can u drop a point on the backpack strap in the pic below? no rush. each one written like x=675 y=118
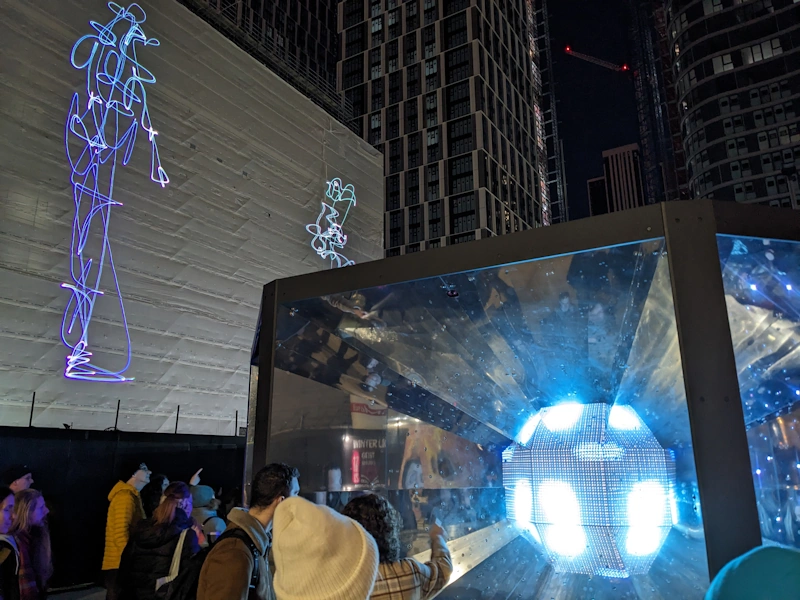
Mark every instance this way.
x=240 y=534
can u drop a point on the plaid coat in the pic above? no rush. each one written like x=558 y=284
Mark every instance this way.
x=409 y=579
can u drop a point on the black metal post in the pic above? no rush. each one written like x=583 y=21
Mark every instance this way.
x=259 y=415
x=116 y=418
x=33 y=403
x=719 y=438
x=236 y=424
x=177 y=416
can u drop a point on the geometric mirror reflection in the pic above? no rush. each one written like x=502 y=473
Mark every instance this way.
x=761 y=279
x=537 y=409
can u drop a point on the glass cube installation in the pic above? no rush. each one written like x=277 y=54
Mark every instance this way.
x=563 y=401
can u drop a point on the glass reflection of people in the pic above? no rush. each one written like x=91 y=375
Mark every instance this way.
x=336 y=497
x=407 y=501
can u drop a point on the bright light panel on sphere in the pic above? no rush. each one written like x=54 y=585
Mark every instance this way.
x=592 y=487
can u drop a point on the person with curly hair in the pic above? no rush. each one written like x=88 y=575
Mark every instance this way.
x=400 y=578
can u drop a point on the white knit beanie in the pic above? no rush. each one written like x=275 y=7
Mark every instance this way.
x=320 y=554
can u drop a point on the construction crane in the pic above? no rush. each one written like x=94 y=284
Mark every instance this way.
x=601 y=63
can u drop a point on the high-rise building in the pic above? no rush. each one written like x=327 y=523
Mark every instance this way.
x=451 y=92
x=623 y=178
x=737 y=66
x=598 y=200
x=663 y=158
x=296 y=39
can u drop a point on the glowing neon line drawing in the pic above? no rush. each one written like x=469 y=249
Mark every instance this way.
x=329 y=238
x=105 y=127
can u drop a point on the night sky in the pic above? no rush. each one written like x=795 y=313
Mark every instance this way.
x=596 y=106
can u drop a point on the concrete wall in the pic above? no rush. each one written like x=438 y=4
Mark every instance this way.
x=248 y=158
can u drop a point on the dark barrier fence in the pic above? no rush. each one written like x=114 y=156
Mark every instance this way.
x=76 y=470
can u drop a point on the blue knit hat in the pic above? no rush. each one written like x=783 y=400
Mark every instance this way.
x=765 y=573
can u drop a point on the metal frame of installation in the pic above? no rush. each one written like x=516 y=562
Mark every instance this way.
x=687 y=235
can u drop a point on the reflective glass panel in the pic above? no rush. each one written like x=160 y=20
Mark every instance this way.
x=536 y=410
x=761 y=279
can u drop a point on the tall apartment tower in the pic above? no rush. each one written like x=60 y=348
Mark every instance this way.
x=662 y=154
x=623 y=178
x=737 y=66
x=450 y=91
x=296 y=39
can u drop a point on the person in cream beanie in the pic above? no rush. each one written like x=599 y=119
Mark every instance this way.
x=320 y=554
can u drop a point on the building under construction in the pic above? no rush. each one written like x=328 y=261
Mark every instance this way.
x=663 y=158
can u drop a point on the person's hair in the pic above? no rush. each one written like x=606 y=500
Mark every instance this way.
x=5 y=492
x=381 y=520
x=175 y=493
x=271 y=482
x=25 y=504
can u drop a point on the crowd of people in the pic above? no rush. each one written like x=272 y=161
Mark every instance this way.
x=167 y=541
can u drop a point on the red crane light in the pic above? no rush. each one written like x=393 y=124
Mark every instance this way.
x=624 y=67
x=568 y=49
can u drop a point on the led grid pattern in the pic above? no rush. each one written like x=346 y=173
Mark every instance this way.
x=592 y=487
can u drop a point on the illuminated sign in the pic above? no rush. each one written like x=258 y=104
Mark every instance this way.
x=100 y=136
x=590 y=486
x=329 y=237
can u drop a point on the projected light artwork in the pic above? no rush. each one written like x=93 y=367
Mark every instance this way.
x=591 y=485
x=329 y=237
x=100 y=136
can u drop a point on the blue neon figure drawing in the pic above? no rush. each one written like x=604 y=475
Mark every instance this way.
x=329 y=237
x=100 y=137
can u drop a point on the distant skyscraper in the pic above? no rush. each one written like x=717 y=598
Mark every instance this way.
x=623 y=178
x=451 y=91
x=737 y=66
x=598 y=200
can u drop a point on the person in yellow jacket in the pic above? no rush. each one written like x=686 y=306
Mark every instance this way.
x=125 y=510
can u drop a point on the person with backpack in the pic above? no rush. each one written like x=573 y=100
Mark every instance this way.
x=9 y=553
x=236 y=568
x=205 y=512
x=159 y=547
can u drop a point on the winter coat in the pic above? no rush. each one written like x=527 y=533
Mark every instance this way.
x=148 y=555
x=35 y=569
x=212 y=525
x=124 y=511
x=9 y=568
x=228 y=568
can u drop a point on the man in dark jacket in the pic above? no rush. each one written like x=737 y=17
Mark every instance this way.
x=227 y=571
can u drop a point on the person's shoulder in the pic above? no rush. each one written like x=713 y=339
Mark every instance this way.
x=404 y=566
x=233 y=544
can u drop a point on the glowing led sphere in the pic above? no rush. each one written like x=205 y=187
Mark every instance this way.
x=591 y=487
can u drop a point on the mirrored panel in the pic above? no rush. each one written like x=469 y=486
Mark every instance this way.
x=761 y=279
x=537 y=410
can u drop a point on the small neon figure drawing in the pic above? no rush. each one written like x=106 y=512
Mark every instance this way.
x=329 y=237
x=100 y=135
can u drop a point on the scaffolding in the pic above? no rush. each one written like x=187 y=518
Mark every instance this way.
x=663 y=158
x=238 y=22
x=550 y=149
